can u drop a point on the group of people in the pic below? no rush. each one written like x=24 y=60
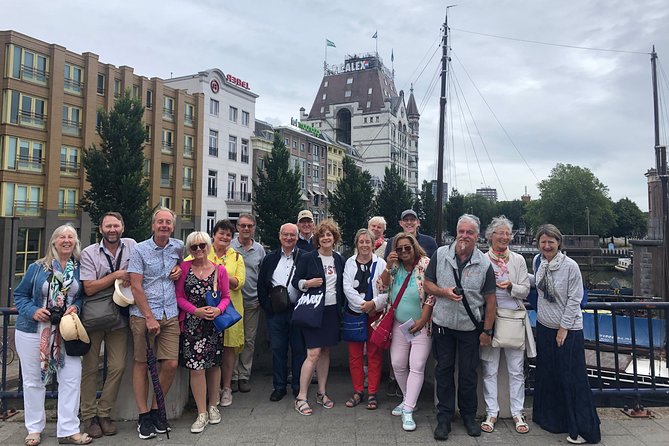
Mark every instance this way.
x=444 y=302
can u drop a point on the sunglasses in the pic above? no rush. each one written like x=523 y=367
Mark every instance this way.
x=406 y=248
x=200 y=246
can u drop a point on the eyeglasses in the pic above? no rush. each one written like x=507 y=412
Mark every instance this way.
x=200 y=246
x=502 y=234
x=405 y=248
x=242 y=226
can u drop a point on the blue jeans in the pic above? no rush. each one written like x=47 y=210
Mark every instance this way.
x=283 y=334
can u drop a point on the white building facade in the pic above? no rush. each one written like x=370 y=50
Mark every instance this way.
x=227 y=153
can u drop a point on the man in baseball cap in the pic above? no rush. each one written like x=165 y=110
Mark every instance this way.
x=305 y=225
x=409 y=222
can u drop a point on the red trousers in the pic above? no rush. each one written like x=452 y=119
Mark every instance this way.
x=356 y=362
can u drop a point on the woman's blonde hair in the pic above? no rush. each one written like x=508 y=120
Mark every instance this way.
x=51 y=252
x=197 y=237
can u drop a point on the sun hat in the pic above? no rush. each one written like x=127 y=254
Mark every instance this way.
x=72 y=329
x=122 y=294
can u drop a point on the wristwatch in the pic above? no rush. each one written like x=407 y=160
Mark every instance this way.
x=488 y=331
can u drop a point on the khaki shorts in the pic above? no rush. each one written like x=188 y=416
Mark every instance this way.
x=165 y=345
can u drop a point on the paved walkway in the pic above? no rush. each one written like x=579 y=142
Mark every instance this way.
x=253 y=419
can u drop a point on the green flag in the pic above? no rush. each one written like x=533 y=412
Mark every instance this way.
x=330 y=43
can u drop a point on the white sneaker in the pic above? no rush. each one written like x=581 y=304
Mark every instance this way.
x=200 y=423
x=397 y=411
x=578 y=440
x=408 y=424
x=226 y=397
x=214 y=415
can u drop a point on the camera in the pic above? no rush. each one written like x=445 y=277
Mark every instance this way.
x=459 y=291
x=56 y=315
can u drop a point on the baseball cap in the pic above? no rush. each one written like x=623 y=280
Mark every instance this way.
x=305 y=214
x=407 y=213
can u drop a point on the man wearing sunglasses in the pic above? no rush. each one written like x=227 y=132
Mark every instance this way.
x=252 y=252
x=410 y=223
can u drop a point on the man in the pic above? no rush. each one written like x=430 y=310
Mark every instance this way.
x=410 y=223
x=277 y=269
x=453 y=328
x=153 y=268
x=101 y=264
x=252 y=252
x=305 y=223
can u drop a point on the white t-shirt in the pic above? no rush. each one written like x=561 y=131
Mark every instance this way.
x=330 y=279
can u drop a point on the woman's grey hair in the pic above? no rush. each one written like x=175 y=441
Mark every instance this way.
x=196 y=237
x=378 y=220
x=51 y=252
x=496 y=223
x=360 y=233
x=473 y=219
x=551 y=231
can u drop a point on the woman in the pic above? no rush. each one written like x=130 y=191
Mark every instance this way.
x=201 y=344
x=233 y=339
x=361 y=274
x=49 y=290
x=513 y=285
x=406 y=266
x=562 y=396
x=321 y=269
x=378 y=226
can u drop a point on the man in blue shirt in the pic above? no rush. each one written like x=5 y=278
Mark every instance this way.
x=410 y=223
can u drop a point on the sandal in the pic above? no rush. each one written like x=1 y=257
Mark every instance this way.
x=33 y=439
x=355 y=399
x=488 y=425
x=302 y=406
x=372 y=402
x=324 y=400
x=81 y=438
x=521 y=425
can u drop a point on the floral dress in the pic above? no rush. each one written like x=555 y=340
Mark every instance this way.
x=202 y=345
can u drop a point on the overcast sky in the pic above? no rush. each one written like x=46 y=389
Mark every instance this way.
x=557 y=104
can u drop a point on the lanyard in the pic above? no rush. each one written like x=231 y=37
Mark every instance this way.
x=118 y=259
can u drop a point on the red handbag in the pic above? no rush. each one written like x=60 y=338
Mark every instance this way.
x=382 y=328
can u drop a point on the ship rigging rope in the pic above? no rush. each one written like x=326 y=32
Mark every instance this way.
x=537 y=42
x=437 y=46
x=662 y=88
x=467 y=132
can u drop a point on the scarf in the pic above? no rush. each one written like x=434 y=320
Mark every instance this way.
x=545 y=276
x=378 y=242
x=500 y=259
x=50 y=355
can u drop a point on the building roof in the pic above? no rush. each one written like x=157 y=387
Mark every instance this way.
x=412 y=110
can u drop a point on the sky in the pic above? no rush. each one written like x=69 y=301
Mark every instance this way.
x=515 y=108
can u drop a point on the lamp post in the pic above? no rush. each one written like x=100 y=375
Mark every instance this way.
x=587 y=216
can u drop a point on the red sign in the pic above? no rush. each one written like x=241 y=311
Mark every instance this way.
x=236 y=81
x=215 y=86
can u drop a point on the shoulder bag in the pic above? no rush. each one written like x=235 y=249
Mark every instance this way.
x=509 y=328
x=230 y=316
x=354 y=325
x=99 y=311
x=278 y=295
x=382 y=328
x=309 y=308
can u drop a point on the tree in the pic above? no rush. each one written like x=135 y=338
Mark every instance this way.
x=115 y=169
x=425 y=207
x=393 y=197
x=572 y=197
x=454 y=209
x=630 y=221
x=482 y=207
x=351 y=202
x=513 y=210
x=276 y=193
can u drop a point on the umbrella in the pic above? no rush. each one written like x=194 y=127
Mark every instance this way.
x=155 y=380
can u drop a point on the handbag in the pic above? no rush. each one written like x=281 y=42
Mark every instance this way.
x=278 y=295
x=382 y=328
x=509 y=329
x=99 y=311
x=309 y=308
x=230 y=316
x=354 y=325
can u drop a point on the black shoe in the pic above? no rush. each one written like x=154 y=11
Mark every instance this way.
x=145 y=426
x=244 y=386
x=277 y=395
x=441 y=432
x=160 y=426
x=472 y=426
x=234 y=385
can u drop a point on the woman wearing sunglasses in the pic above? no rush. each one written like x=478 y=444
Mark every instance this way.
x=404 y=275
x=201 y=350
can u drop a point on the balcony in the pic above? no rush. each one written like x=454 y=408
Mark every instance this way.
x=188 y=183
x=71 y=128
x=67 y=210
x=168 y=114
x=188 y=152
x=34 y=75
x=73 y=86
x=69 y=168
x=244 y=159
x=28 y=208
x=167 y=148
x=189 y=120
x=166 y=181
x=232 y=156
x=29 y=163
x=187 y=215
x=239 y=197
x=31 y=119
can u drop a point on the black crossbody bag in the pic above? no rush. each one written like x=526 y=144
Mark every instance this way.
x=278 y=295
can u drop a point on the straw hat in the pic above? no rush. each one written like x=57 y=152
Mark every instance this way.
x=72 y=329
x=122 y=294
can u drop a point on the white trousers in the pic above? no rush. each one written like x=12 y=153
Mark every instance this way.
x=69 y=387
x=515 y=360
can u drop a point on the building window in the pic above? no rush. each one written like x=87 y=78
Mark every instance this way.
x=22 y=154
x=71 y=121
x=245 y=151
x=322 y=111
x=232 y=148
x=301 y=147
x=309 y=169
x=347 y=94
x=166 y=202
x=67 y=202
x=27 y=65
x=168 y=142
x=149 y=133
x=189 y=114
x=188 y=146
x=27 y=250
x=364 y=120
x=212 y=180
x=102 y=83
x=21 y=200
x=117 y=88
x=213 y=142
x=244 y=193
x=24 y=110
x=149 y=99
x=168 y=108
x=325 y=96
x=166 y=175
x=69 y=161
x=246 y=117
x=232 y=180
x=233 y=114
x=147 y=168
x=316 y=172
x=187 y=209
x=325 y=84
x=349 y=81
x=136 y=94
x=211 y=221
x=287 y=142
x=369 y=105
x=213 y=107
x=315 y=151
x=188 y=178
x=369 y=91
x=294 y=144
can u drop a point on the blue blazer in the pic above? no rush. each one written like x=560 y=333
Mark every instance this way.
x=310 y=266
x=28 y=296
